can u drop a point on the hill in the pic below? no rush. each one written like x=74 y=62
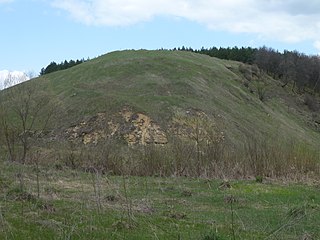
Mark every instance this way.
x=209 y=116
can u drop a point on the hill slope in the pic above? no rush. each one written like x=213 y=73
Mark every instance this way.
x=149 y=96
x=158 y=83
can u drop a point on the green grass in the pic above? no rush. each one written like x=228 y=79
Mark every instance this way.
x=158 y=82
x=152 y=208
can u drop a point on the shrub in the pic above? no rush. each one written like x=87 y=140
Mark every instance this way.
x=259 y=179
x=311 y=102
x=261 y=90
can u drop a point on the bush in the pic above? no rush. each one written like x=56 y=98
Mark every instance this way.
x=311 y=102
x=259 y=179
x=261 y=90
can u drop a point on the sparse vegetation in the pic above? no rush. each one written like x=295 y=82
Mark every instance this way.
x=139 y=142
x=153 y=207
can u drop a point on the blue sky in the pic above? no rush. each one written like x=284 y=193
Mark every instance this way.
x=36 y=32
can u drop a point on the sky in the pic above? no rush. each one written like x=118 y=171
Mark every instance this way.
x=34 y=33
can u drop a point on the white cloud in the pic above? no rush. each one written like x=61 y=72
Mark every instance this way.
x=114 y=12
x=284 y=20
x=317 y=45
x=5 y=1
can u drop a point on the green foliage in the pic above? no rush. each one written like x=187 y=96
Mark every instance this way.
x=243 y=54
x=53 y=66
x=259 y=179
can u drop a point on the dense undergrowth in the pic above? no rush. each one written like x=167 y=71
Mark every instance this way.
x=271 y=158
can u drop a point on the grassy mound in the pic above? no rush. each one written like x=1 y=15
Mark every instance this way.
x=213 y=115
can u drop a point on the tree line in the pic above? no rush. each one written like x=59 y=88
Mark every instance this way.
x=302 y=70
x=243 y=54
x=53 y=66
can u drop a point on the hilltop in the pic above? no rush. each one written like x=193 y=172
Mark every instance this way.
x=215 y=109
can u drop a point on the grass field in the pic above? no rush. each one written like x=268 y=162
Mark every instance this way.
x=78 y=205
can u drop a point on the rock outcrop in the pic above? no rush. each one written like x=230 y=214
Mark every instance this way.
x=134 y=128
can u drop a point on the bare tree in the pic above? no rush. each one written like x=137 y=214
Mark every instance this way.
x=22 y=108
x=202 y=132
x=9 y=133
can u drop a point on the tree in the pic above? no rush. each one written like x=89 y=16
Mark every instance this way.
x=53 y=66
x=202 y=132
x=290 y=66
x=9 y=133
x=268 y=60
x=287 y=67
x=21 y=108
x=315 y=74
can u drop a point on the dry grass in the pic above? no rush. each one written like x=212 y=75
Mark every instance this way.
x=271 y=158
x=78 y=205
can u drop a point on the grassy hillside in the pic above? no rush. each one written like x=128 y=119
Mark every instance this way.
x=158 y=82
x=170 y=89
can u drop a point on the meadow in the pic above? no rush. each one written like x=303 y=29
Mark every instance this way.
x=48 y=203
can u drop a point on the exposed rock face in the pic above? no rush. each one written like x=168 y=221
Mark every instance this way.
x=89 y=131
x=142 y=129
x=135 y=128
x=139 y=129
x=93 y=137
